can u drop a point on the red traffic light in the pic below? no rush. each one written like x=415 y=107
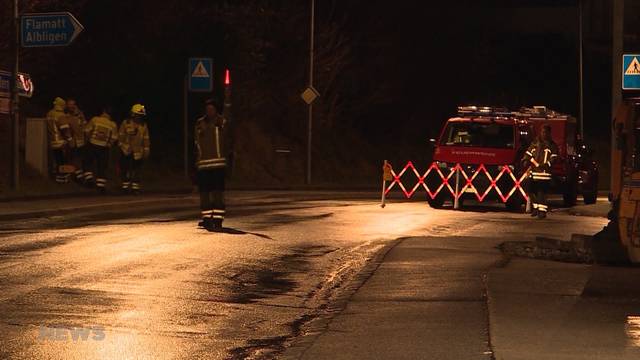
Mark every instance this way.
x=227 y=78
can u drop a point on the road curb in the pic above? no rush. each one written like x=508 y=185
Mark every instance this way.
x=319 y=325
x=111 y=205
x=84 y=194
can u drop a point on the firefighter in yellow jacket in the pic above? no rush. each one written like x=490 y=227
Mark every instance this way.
x=133 y=139
x=101 y=133
x=540 y=156
x=211 y=162
x=59 y=136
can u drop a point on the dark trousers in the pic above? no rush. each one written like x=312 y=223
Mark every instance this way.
x=130 y=172
x=211 y=188
x=538 y=190
x=79 y=159
x=59 y=159
x=99 y=160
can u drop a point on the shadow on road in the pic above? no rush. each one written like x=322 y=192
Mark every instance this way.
x=231 y=231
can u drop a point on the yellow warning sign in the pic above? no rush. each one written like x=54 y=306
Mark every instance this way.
x=386 y=172
x=634 y=67
x=200 y=71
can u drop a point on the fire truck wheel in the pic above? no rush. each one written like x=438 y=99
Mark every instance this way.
x=570 y=197
x=590 y=197
x=437 y=202
x=514 y=204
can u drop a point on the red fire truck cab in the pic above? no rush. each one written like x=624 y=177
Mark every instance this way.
x=495 y=137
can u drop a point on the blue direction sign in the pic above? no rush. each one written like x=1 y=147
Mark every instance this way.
x=49 y=29
x=631 y=72
x=200 y=74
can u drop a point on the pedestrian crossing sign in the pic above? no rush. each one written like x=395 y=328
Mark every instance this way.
x=631 y=72
x=200 y=74
x=200 y=71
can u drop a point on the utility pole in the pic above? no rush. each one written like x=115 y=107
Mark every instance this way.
x=581 y=80
x=616 y=64
x=185 y=125
x=15 y=103
x=310 y=122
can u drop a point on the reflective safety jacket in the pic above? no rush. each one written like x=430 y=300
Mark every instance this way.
x=133 y=138
x=540 y=155
x=101 y=130
x=209 y=141
x=77 y=123
x=56 y=137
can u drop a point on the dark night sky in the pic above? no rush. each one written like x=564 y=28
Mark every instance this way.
x=437 y=57
x=411 y=62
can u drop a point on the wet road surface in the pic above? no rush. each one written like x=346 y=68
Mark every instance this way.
x=153 y=286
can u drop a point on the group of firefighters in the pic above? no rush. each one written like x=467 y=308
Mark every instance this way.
x=81 y=148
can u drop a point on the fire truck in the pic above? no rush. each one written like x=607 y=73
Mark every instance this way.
x=492 y=138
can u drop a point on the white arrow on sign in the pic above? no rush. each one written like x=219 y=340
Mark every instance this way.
x=77 y=27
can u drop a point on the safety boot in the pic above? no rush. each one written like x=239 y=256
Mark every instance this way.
x=542 y=214
x=206 y=224
x=534 y=212
x=212 y=225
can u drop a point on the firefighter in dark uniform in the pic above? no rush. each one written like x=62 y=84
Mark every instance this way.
x=540 y=156
x=211 y=163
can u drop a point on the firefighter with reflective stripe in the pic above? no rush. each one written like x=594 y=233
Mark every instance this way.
x=77 y=122
x=101 y=132
x=211 y=162
x=133 y=138
x=59 y=136
x=540 y=156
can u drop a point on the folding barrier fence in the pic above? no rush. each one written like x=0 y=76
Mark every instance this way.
x=453 y=182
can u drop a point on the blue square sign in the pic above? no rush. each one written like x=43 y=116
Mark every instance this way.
x=631 y=72
x=200 y=74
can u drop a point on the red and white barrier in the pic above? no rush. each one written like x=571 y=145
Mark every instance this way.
x=463 y=182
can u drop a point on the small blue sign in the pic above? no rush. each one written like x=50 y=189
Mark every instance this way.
x=49 y=29
x=5 y=83
x=200 y=74
x=631 y=72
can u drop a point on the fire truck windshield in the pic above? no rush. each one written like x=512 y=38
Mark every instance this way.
x=475 y=134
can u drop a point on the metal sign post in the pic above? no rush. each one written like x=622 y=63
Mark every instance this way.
x=34 y=30
x=185 y=120
x=310 y=122
x=15 y=104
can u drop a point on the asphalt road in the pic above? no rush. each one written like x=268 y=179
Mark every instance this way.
x=142 y=282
